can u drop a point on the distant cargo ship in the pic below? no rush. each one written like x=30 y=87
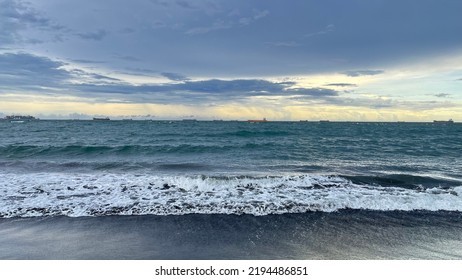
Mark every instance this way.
x=102 y=119
x=448 y=121
x=257 y=121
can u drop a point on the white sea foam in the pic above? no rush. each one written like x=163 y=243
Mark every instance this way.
x=75 y=195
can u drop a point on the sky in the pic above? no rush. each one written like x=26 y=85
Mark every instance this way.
x=344 y=60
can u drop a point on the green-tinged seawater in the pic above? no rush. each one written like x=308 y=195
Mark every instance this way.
x=88 y=168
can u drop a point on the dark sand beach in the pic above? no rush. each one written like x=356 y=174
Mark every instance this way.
x=347 y=234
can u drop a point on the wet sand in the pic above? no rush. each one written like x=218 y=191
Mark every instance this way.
x=346 y=234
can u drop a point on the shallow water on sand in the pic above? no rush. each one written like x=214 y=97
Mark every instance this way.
x=341 y=235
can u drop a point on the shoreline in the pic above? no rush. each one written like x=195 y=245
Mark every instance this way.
x=346 y=234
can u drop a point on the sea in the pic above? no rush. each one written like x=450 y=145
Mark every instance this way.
x=147 y=189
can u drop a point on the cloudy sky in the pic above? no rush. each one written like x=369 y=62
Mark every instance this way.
x=360 y=60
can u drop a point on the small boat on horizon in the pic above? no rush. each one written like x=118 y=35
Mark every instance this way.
x=448 y=121
x=257 y=121
x=102 y=119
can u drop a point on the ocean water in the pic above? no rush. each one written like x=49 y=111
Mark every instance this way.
x=101 y=168
x=230 y=190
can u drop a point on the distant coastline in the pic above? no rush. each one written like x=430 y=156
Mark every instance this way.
x=19 y=117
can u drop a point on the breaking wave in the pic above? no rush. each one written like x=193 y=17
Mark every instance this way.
x=51 y=194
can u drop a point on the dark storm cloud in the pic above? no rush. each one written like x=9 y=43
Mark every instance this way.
x=235 y=86
x=240 y=38
x=214 y=89
x=88 y=76
x=27 y=72
x=342 y=85
x=22 y=69
x=314 y=92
